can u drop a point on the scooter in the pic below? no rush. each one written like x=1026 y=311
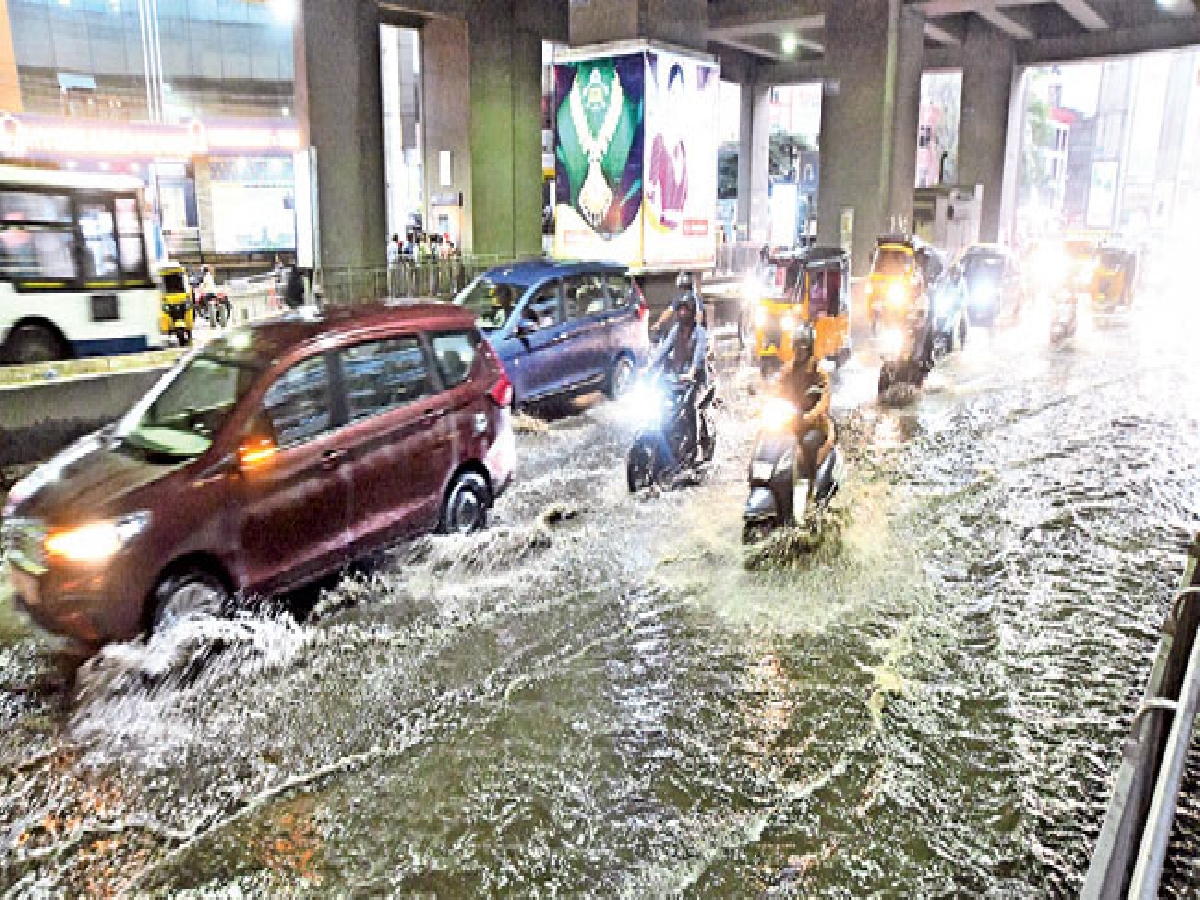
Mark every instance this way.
x=780 y=494
x=663 y=446
x=909 y=352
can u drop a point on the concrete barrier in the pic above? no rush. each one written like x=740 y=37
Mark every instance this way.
x=38 y=418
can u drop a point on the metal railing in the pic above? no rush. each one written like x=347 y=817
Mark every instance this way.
x=436 y=278
x=1132 y=847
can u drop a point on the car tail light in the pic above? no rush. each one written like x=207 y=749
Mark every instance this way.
x=502 y=391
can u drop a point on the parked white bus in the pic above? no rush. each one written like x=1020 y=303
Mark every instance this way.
x=75 y=272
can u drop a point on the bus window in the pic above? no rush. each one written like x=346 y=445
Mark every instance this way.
x=132 y=246
x=99 y=240
x=36 y=237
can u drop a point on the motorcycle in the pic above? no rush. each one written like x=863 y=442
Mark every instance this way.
x=909 y=352
x=780 y=493
x=664 y=445
x=216 y=308
x=1064 y=320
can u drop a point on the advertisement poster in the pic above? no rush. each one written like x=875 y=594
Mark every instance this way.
x=599 y=148
x=253 y=204
x=681 y=161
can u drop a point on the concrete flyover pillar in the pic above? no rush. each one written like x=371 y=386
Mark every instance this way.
x=505 y=74
x=680 y=22
x=869 y=118
x=987 y=91
x=446 y=124
x=754 y=156
x=339 y=106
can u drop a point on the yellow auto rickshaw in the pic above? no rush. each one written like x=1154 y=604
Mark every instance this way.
x=1114 y=277
x=811 y=286
x=177 y=316
x=902 y=267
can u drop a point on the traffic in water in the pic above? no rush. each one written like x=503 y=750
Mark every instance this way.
x=608 y=693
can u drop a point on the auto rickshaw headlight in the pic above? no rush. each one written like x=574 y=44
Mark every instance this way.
x=897 y=294
x=788 y=324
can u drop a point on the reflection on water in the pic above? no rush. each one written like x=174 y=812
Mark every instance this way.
x=598 y=696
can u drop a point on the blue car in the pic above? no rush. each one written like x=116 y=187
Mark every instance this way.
x=562 y=328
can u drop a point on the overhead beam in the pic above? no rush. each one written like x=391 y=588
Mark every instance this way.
x=942 y=34
x=766 y=26
x=763 y=15
x=1082 y=12
x=1004 y=22
x=1164 y=34
x=747 y=47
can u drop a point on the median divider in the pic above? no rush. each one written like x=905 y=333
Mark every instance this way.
x=43 y=407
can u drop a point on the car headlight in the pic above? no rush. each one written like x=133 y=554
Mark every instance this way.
x=787 y=323
x=897 y=294
x=95 y=542
x=760 y=317
x=778 y=414
x=891 y=341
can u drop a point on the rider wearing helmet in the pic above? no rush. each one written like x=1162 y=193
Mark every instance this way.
x=807 y=386
x=685 y=285
x=684 y=355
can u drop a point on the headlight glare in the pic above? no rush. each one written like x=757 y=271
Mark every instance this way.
x=95 y=542
x=760 y=317
x=778 y=414
x=897 y=294
x=788 y=324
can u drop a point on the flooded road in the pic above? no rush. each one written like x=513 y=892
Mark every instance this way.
x=600 y=697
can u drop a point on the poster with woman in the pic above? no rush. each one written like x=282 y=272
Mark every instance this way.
x=681 y=160
x=599 y=150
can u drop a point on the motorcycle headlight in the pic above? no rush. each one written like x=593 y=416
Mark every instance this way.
x=891 y=341
x=897 y=294
x=760 y=317
x=983 y=296
x=778 y=414
x=95 y=542
x=788 y=324
x=644 y=404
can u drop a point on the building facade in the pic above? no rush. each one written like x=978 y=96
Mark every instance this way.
x=195 y=97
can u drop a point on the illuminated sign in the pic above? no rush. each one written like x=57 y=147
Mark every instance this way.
x=29 y=135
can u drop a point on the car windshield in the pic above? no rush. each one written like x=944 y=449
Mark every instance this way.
x=892 y=263
x=180 y=417
x=492 y=302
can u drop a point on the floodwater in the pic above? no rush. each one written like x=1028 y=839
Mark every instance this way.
x=599 y=696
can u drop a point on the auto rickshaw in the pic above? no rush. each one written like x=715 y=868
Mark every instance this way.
x=1114 y=277
x=902 y=267
x=178 y=316
x=811 y=286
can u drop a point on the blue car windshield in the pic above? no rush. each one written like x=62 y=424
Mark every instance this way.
x=492 y=302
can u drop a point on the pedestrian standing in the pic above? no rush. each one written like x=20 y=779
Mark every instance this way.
x=393 y=266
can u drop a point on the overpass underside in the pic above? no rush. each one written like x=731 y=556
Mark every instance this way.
x=481 y=98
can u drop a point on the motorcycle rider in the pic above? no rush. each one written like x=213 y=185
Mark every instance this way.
x=685 y=284
x=805 y=385
x=684 y=355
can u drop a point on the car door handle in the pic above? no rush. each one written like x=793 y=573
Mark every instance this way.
x=332 y=459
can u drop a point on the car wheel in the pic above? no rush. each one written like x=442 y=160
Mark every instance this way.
x=193 y=594
x=467 y=503
x=620 y=379
x=34 y=344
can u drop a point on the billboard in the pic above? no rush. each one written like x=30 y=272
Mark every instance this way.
x=636 y=158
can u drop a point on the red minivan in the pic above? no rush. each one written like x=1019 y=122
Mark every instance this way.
x=273 y=456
